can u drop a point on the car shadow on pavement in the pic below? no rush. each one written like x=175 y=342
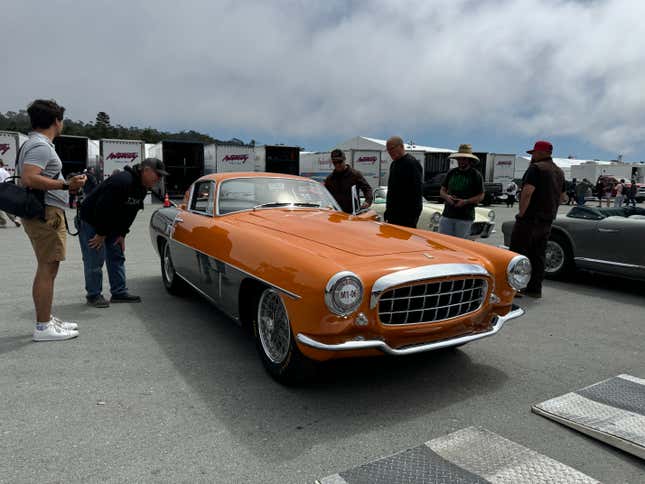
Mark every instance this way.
x=584 y=282
x=219 y=361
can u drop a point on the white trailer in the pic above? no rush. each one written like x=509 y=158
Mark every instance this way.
x=228 y=158
x=316 y=165
x=591 y=170
x=368 y=162
x=500 y=168
x=148 y=149
x=10 y=143
x=118 y=153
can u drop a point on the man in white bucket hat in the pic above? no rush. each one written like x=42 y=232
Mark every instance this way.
x=461 y=190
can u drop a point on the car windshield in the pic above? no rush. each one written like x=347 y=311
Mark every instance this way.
x=239 y=194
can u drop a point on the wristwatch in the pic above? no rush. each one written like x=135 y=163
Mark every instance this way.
x=65 y=186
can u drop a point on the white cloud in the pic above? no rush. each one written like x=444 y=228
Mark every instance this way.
x=315 y=69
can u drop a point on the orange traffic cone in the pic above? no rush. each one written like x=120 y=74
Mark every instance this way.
x=166 y=201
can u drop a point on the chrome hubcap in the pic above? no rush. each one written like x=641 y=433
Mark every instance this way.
x=554 y=256
x=168 y=269
x=273 y=326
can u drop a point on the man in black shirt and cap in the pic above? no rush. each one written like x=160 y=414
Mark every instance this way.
x=340 y=182
x=404 y=187
x=105 y=218
x=543 y=189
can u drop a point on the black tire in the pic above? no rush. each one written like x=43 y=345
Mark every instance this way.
x=275 y=341
x=172 y=282
x=559 y=257
x=488 y=200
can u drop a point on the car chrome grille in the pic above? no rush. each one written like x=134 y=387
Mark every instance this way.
x=431 y=301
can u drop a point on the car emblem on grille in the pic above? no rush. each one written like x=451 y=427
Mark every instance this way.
x=428 y=255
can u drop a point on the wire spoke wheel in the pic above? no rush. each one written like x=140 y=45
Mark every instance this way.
x=273 y=327
x=555 y=256
x=168 y=268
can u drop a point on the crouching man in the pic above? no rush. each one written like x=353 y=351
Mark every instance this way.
x=105 y=218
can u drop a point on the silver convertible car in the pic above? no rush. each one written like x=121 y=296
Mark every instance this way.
x=607 y=240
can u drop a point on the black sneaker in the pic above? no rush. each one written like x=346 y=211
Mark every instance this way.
x=98 y=301
x=126 y=297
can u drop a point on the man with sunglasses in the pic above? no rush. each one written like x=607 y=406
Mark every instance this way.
x=404 y=187
x=340 y=182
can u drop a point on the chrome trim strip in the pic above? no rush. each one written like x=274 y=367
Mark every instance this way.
x=292 y=295
x=609 y=263
x=423 y=272
x=197 y=289
x=499 y=322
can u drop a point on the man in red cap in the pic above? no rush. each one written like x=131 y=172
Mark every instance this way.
x=543 y=190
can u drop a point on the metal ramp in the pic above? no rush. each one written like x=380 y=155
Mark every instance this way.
x=470 y=455
x=612 y=411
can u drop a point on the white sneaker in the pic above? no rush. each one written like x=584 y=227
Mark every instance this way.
x=64 y=324
x=52 y=332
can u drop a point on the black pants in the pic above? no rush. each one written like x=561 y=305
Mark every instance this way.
x=510 y=200
x=529 y=238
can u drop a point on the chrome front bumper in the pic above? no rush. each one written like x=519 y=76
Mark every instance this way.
x=354 y=345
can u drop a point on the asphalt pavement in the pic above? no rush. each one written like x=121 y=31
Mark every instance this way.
x=170 y=390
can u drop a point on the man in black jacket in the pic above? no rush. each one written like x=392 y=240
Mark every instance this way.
x=342 y=179
x=105 y=218
x=404 y=187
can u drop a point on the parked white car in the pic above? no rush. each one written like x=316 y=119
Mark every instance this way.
x=482 y=227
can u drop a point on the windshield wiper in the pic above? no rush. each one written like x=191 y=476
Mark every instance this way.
x=306 y=204
x=272 y=204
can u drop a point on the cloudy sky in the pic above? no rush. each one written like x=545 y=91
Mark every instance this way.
x=496 y=73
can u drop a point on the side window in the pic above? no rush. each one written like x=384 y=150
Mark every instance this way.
x=202 y=199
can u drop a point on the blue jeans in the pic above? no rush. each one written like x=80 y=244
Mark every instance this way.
x=455 y=227
x=93 y=260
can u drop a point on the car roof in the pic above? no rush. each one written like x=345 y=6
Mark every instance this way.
x=219 y=177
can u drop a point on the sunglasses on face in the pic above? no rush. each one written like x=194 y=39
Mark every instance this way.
x=337 y=162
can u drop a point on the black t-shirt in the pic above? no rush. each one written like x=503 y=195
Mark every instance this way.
x=462 y=184
x=549 y=183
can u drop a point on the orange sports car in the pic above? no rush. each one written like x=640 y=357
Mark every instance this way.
x=275 y=252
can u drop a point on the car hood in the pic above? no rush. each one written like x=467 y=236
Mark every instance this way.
x=343 y=232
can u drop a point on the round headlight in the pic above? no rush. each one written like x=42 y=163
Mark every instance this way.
x=518 y=272
x=435 y=218
x=344 y=293
x=491 y=215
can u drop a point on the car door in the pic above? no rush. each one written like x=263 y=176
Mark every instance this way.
x=192 y=241
x=619 y=243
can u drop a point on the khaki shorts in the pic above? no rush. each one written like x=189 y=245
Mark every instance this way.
x=48 y=238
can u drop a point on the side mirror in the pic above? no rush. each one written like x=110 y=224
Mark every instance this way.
x=356 y=202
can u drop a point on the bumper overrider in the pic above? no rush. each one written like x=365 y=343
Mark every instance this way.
x=354 y=345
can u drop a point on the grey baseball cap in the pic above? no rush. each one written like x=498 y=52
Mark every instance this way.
x=156 y=164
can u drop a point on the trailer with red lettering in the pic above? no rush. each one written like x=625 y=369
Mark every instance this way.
x=119 y=153
x=226 y=158
x=10 y=143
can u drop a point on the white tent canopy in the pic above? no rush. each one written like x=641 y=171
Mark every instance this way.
x=364 y=143
x=522 y=163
